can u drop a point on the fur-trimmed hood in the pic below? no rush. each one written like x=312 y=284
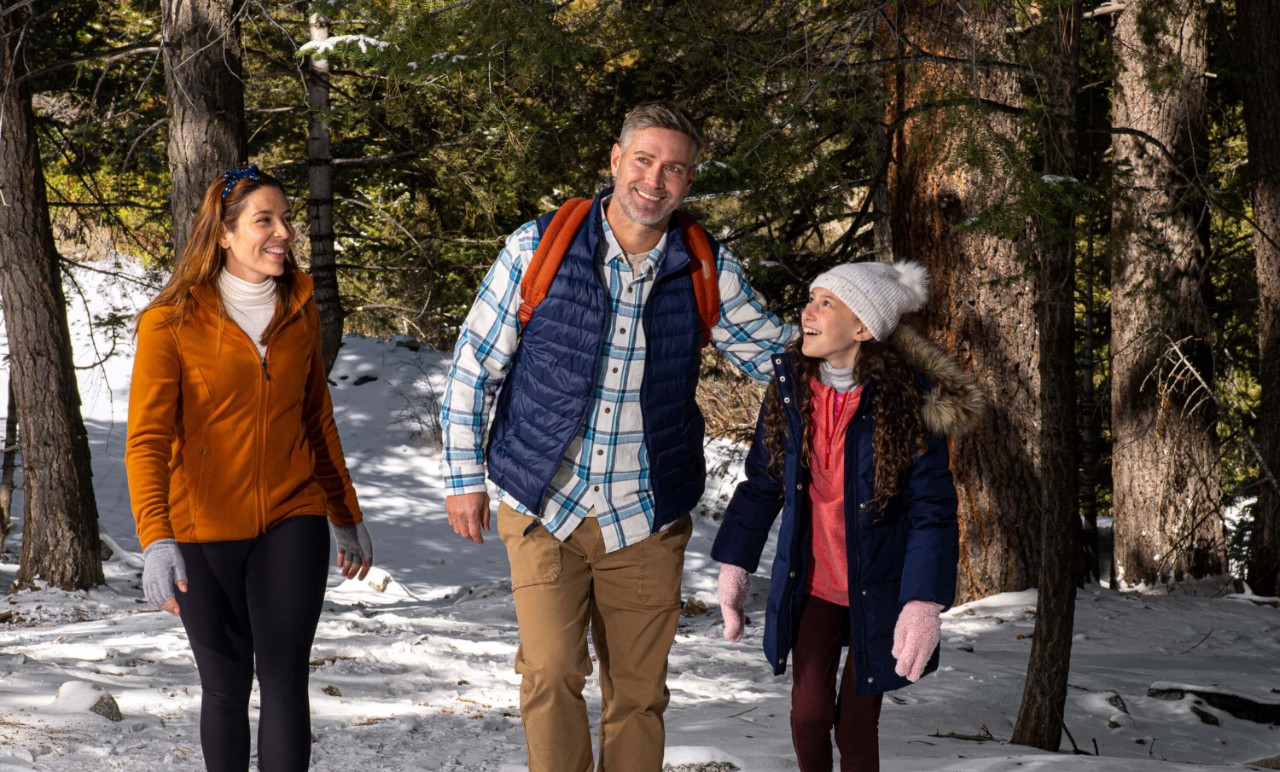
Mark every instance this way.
x=955 y=405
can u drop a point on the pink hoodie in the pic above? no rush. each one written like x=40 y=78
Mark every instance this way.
x=830 y=414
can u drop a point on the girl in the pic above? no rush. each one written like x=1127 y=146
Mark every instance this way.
x=234 y=463
x=849 y=447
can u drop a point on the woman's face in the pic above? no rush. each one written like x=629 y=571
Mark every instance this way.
x=258 y=244
x=831 y=330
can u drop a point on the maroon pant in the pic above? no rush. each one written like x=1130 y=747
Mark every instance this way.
x=816 y=707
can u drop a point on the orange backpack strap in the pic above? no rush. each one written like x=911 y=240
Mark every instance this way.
x=552 y=246
x=702 y=269
x=559 y=235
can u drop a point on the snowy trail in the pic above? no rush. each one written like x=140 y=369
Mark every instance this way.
x=416 y=674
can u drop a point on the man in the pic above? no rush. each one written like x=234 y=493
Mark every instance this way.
x=596 y=444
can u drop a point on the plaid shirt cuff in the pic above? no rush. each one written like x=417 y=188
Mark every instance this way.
x=459 y=480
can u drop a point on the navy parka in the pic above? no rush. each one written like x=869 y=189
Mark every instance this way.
x=907 y=551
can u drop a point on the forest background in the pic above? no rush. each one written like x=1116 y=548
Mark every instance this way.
x=1094 y=187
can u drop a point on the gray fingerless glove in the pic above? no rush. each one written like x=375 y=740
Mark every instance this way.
x=353 y=542
x=162 y=568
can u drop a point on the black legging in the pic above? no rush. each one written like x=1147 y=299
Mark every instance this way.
x=256 y=599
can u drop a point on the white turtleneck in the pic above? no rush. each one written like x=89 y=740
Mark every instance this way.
x=250 y=305
x=838 y=378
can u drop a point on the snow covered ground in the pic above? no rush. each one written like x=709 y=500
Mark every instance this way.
x=412 y=670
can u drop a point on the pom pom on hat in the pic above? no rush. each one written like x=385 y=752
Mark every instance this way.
x=878 y=293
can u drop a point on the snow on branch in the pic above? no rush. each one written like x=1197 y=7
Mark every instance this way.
x=321 y=48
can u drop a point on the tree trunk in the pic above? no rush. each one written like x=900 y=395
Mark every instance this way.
x=9 y=465
x=1259 y=25
x=60 y=523
x=205 y=94
x=982 y=304
x=1089 y=417
x=1044 y=695
x=324 y=269
x=1167 y=480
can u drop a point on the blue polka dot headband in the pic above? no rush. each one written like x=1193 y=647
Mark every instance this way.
x=234 y=175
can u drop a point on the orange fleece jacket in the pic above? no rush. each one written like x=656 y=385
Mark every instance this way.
x=222 y=443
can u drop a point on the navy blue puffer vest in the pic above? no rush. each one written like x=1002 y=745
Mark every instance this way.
x=546 y=395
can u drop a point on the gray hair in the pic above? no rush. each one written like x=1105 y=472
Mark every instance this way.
x=659 y=114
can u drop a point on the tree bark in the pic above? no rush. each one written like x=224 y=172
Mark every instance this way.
x=324 y=268
x=60 y=542
x=1167 y=480
x=983 y=295
x=205 y=95
x=1044 y=696
x=9 y=465
x=1089 y=416
x=1259 y=25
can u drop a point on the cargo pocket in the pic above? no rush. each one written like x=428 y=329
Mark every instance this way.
x=661 y=558
x=534 y=554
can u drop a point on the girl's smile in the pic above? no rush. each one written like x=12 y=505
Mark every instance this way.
x=831 y=330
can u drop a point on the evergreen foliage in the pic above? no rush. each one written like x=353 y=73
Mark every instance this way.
x=454 y=121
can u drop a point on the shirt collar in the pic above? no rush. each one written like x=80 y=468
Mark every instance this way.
x=612 y=251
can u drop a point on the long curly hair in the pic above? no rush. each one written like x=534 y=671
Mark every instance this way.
x=203 y=257
x=899 y=433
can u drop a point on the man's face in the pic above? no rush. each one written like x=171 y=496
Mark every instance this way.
x=652 y=174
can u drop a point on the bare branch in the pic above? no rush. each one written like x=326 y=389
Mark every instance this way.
x=107 y=56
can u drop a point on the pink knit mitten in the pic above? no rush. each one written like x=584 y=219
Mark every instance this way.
x=915 y=637
x=732 y=592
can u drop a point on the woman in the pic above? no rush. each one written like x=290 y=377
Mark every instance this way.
x=234 y=466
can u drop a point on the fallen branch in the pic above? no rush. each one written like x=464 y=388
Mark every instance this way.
x=985 y=736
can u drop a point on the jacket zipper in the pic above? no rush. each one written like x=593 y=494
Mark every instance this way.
x=263 y=398
x=262 y=415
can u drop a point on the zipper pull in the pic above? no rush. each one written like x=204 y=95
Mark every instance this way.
x=265 y=374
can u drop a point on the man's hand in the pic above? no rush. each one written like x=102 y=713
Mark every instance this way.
x=469 y=514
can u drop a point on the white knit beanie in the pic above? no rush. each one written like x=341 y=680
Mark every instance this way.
x=878 y=293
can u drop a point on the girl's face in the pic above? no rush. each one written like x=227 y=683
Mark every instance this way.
x=831 y=331
x=256 y=248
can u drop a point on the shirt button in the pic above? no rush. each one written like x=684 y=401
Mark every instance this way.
x=622 y=330
x=599 y=452
x=793 y=574
x=597 y=487
x=864 y=593
x=608 y=410
x=787 y=400
x=871 y=679
x=799 y=486
x=782 y=378
x=615 y=369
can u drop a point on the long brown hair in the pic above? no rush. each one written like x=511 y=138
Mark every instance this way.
x=899 y=433
x=202 y=258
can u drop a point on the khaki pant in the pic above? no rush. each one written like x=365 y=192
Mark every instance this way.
x=630 y=599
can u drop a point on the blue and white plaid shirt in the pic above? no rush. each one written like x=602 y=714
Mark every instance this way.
x=605 y=472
